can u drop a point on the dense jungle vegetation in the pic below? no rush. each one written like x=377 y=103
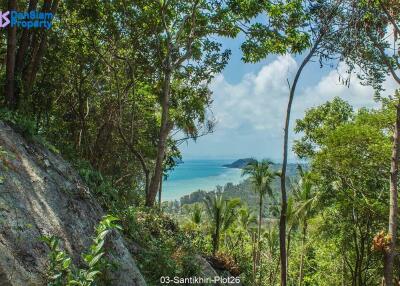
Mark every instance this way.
x=117 y=86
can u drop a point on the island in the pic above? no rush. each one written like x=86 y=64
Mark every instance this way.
x=240 y=164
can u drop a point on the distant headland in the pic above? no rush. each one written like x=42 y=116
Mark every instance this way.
x=240 y=164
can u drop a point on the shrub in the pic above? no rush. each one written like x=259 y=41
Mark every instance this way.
x=165 y=249
x=63 y=272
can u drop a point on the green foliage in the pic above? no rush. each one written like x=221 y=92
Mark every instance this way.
x=350 y=159
x=197 y=214
x=368 y=40
x=26 y=126
x=60 y=262
x=63 y=272
x=331 y=114
x=112 y=198
x=261 y=176
x=165 y=250
x=285 y=31
x=221 y=213
x=97 y=97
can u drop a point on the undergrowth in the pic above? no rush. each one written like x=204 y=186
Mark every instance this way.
x=164 y=249
x=62 y=272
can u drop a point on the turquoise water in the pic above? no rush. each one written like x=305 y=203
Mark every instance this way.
x=192 y=175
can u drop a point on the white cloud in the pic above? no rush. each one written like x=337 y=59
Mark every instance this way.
x=252 y=111
x=258 y=102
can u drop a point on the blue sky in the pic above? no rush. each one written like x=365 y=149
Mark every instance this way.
x=250 y=102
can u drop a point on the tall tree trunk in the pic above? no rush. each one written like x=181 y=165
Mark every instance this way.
x=392 y=230
x=38 y=49
x=10 y=95
x=159 y=194
x=24 y=41
x=162 y=140
x=260 y=275
x=302 y=252
x=254 y=256
x=259 y=236
x=282 y=220
x=259 y=226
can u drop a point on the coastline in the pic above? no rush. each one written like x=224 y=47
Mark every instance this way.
x=177 y=186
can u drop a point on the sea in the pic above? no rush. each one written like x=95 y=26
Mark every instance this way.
x=192 y=175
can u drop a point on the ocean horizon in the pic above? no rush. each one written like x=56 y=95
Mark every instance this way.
x=199 y=174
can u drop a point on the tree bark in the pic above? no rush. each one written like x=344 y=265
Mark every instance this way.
x=282 y=220
x=38 y=50
x=162 y=139
x=260 y=277
x=259 y=237
x=10 y=95
x=392 y=230
x=259 y=225
x=24 y=41
x=254 y=257
x=159 y=194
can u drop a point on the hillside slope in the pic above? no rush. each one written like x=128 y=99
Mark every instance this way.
x=40 y=194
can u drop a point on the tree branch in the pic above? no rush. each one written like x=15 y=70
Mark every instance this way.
x=189 y=43
x=387 y=62
x=390 y=17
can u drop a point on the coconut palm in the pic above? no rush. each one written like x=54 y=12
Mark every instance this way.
x=261 y=176
x=222 y=214
x=246 y=218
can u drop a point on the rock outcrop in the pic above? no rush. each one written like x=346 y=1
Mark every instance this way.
x=41 y=194
x=208 y=271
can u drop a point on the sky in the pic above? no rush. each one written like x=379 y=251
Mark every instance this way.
x=250 y=101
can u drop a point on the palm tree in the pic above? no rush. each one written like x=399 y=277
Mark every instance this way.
x=246 y=218
x=261 y=176
x=222 y=214
x=305 y=197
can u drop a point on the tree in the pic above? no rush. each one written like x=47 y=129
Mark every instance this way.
x=222 y=214
x=261 y=176
x=188 y=58
x=10 y=65
x=349 y=154
x=32 y=45
x=369 y=48
x=292 y=27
